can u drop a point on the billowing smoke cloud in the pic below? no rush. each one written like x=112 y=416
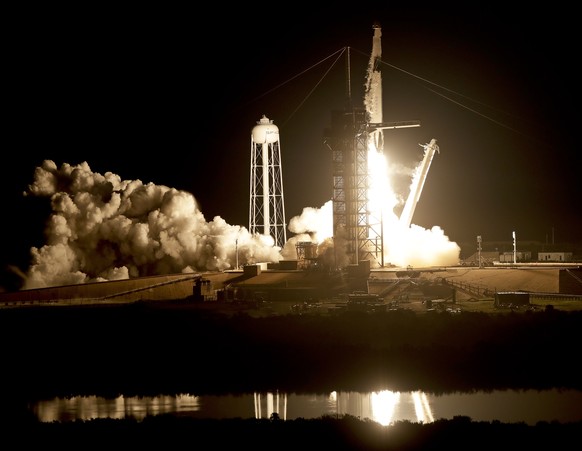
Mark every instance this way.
x=314 y=225
x=105 y=228
x=315 y=222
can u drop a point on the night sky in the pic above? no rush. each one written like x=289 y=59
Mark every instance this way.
x=170 y=97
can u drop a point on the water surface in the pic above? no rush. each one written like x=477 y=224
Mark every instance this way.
x=384 y=407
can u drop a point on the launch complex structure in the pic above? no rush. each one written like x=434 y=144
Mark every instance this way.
x=356 y=131
x=358 y=229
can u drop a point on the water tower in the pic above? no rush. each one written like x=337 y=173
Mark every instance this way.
x=267 y=204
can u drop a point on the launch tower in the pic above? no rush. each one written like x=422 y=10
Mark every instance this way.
x=267 y=204
x=354 y=132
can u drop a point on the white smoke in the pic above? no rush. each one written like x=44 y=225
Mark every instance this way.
x=314 y=225
x=105 y=228
x=317 y=222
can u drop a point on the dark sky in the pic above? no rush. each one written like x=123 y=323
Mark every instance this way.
x=170 y=97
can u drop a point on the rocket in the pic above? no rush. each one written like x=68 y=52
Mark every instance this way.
x=373 y=95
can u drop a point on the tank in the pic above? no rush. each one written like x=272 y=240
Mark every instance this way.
x=265 y=132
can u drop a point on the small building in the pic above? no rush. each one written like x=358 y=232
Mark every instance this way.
x=252 y=270
x=555 y=256
x=508 y=257
x=201 y=290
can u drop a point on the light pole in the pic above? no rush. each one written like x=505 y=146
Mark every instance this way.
x=236 y=248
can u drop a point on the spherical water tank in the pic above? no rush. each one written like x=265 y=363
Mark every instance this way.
x=265 y=132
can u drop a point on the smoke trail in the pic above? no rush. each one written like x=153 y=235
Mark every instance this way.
x=105 y=228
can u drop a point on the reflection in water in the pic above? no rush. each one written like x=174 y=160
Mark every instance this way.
x=89 y=407
x=422 y=407
x=384 y=407
x=272 y=403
